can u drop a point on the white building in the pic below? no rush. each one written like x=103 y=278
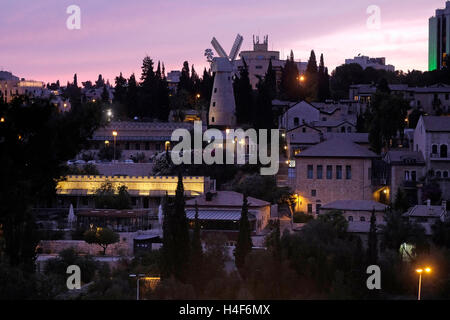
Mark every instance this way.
x=432 y=139
x=366 y=62
x=258 y=60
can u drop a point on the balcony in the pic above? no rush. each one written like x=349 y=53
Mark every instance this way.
x=438 y=157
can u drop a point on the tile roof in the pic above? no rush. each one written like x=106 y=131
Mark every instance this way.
x=338 y=148
x=402 y=155
x=227 y=215
x=226 y=199
x=425 y=211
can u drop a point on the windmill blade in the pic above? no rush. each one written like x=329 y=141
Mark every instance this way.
x=218 y=48
x=236 y=47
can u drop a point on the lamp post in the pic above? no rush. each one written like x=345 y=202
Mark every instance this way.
x=420 y=271
x=138 y=277
x=115 y=136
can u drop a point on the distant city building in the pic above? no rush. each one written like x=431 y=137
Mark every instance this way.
x=258 y=60
x=366 y=62
x=173 y=78
x=433 y=99
x=439 y=38
x=13 y=88
x=133 y=138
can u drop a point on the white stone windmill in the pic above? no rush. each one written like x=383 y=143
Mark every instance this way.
x=223 y=107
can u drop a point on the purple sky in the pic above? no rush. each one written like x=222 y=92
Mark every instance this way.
x=116 y=35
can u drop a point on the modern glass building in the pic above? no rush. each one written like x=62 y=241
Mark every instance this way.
x=439 y=38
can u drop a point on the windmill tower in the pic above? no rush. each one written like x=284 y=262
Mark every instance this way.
x=223 y=107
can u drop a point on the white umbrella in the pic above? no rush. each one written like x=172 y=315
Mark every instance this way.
x=72 y=218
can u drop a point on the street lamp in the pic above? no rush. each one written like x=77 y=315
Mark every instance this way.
x=138 y=277
x=420 y=271
x=114 y=133
x=302 y=78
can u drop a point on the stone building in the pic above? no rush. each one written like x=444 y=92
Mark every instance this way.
x=432 y=139
x=333 y=170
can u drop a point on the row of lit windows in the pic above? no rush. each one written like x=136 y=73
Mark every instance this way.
x=329 y=172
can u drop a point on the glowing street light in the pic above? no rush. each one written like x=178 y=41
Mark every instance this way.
x=302 y=78
x=114 y=133
x=420 y=271
x=198 y=95
x=2 y=119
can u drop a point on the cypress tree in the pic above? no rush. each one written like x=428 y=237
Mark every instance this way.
x=243 y=93
x=180 y=233
x=244 y=243
x=120 y=89
x=323 y=91
x=372 y=250
x=132 y=97
x=196 y=245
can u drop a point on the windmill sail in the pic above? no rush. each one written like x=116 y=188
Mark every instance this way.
x=218 y=48
x=236 y=47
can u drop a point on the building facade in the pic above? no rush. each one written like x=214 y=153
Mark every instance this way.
x=335 y=169
x=439 y=38
x=375 y=63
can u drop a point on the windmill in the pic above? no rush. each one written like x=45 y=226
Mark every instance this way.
x=223 y=107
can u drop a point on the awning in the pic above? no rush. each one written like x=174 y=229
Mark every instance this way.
x=72 y=192
x=224 y=215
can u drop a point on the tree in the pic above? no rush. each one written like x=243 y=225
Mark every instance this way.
x=101 y=236
x=243 y=94
x=432 y=191
x=289 y=86
x=386 y=118
x=185 y=79
x=37 y=141
x=132 y=98
x=312 y=77
x=176 y=245
x=372 y=250
x=100 y=83
x=401 y=203
x=398 y=230
x=244 y=243
x=323 y=83
x=196 y=244
x=105 y=95
x=106 y=197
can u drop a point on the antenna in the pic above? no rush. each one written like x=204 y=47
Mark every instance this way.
x=236 y=46
x=218 y=48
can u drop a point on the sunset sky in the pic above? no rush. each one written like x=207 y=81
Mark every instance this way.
x=116 y=35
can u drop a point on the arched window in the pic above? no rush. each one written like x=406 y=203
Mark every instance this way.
x=445 y=174
x=349 y=129
x=342 y=129
x=438 y=174
x=362 y=219
x=407 y=177
x=350 y=218
x=443 y=151
x=212 y=119
x=434 y=149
